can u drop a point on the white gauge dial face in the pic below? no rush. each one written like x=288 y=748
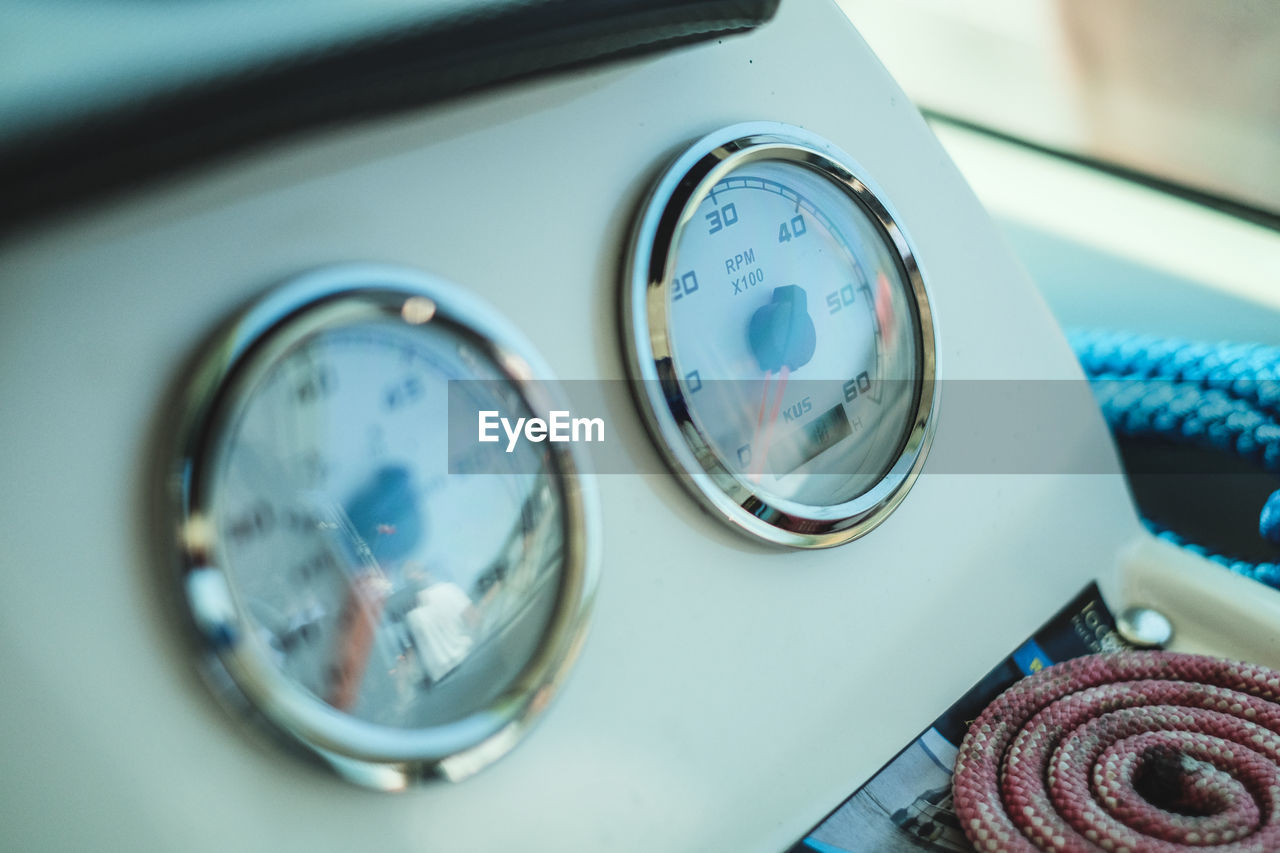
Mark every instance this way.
x=383 y=584
x=386 y=586
x=782 y=323
x=792 y=335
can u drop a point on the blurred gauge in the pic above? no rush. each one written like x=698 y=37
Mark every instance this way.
x=783 y=336
x=400 y=603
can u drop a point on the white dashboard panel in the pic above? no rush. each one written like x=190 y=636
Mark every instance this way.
x=729 y=694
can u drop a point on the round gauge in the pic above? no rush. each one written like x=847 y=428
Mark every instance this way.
x=387 y=591
x=782 y=334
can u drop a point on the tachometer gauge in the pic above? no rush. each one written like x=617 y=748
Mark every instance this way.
x=400 y=603
x=782 y=335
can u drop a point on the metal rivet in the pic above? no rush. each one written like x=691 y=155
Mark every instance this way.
x=213 y=606
x=1144 y=627
x=418 y=310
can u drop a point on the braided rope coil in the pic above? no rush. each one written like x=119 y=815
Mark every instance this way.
x=1126 y=751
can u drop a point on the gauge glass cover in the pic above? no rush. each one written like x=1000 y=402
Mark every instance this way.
x=783 y=333
x=381 y=594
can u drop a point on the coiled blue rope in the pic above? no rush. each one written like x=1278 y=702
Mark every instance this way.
x=1220 y=396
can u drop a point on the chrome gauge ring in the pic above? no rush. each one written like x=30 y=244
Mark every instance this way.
x=781 y=334
x=398 y=599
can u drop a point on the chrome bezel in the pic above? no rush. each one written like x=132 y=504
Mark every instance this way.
x=650 y=268
x=376 y=756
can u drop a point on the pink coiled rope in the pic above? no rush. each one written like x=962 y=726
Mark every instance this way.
x=1128 y=751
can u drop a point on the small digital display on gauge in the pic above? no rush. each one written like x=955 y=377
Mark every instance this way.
x=806 y=442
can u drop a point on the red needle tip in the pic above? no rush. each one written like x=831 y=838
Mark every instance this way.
x=763 y=439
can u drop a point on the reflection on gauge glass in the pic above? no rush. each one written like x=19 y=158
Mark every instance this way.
x=783 y=332
x=384 y=595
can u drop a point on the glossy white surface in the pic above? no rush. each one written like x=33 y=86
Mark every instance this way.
x=728 y=695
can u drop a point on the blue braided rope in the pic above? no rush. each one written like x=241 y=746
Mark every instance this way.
x=1220 y=396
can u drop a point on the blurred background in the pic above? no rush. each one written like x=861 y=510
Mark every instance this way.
x=1129 y=150
x=1187 y=91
